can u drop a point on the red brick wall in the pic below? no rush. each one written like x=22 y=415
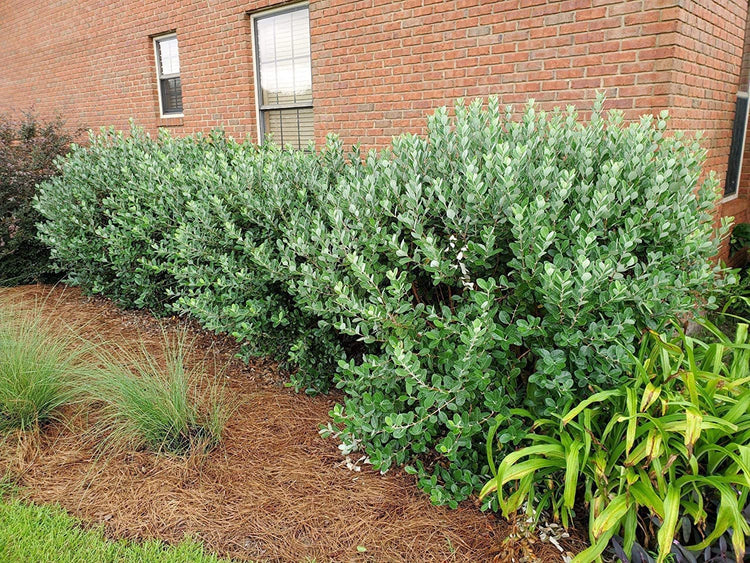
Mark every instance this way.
x=379 y=66
x=744 y=83
x=707 y=63
x=92 y=61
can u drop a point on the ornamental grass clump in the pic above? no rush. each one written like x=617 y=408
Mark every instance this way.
x=38 y=368
x=163 y=407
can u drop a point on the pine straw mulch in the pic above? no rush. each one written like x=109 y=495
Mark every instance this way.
x=273 y=491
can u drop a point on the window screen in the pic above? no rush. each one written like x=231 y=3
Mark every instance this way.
x=284 y=76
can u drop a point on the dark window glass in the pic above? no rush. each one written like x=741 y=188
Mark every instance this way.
x=735 y=151
x=735 y=173
x=171 y=95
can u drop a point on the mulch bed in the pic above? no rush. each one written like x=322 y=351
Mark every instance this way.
x=275 y=490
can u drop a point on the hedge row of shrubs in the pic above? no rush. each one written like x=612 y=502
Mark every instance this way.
x=494 y=263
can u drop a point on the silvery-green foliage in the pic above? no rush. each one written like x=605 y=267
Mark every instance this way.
x=111 y=209
x=218 y=256
x=173 y=225
x=498 y=263
x=71 y=207
x=495 y=263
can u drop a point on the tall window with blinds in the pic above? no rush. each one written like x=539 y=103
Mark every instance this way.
x=168 y=75
x=284 y=76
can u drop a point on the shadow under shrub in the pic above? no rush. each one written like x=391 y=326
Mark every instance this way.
x=28 y=148
x=494 y=263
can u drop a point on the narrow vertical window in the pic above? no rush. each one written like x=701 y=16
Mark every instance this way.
x=737 y=148
x=739 y=128
x=284 y=76
x=168 y=75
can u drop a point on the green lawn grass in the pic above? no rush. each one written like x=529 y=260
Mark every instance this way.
x=44 y=534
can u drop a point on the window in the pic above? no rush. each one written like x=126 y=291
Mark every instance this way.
x=739 y=128
x=737 y=148
x=168 y=75
x=284 y=76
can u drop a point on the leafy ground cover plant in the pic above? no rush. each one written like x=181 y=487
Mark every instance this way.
x=737 y=303
x=672 y=447
x=28 y=148
x=493 y=264
x=170 y=409
x=38 y=367
x=740 y=237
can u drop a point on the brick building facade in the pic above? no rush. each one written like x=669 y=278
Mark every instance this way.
x=378 y=67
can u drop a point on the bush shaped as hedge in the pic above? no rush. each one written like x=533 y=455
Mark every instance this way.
x=498 y=263
x=99 y=190
x=117 y=203
x=495 y=263
x=173 y=224
x=221 y=280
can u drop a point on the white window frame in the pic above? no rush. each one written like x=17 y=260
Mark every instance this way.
x=159 y=76
x=256 y=62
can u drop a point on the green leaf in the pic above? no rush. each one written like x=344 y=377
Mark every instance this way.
x=611 y=517
x=666 y=532
x=595 y=398
x=571 y=473
x=650 y=395
x=594 y=552
x=645 y=495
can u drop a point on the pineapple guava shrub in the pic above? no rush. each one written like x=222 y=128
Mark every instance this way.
x=219 y=257
x=497 y=263
x=173 y=225
x=108 y=210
